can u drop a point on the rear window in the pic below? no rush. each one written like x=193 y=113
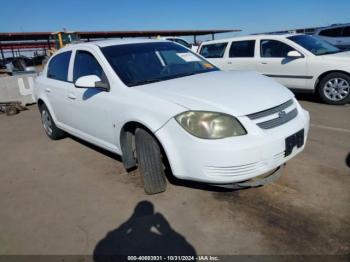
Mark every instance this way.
x=58 y=66
x=242 y=49
x=213 y=50
x=334 y=32
x=346 y=31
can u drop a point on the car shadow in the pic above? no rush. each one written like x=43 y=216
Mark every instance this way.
x=96 y=148
x=170 y=177
x=307 y=96
x=145 y=233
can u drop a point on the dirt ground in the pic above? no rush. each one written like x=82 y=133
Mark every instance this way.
x=64 y=197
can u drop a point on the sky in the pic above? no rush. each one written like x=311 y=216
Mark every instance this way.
x=251 y=16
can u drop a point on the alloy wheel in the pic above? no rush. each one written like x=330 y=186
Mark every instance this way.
x=47 y=122
x=336 y=89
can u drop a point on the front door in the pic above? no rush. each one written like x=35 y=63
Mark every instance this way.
x=274 y=62
x=89 y=107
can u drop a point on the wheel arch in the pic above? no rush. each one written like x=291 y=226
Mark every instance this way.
x=42 y=101
x=127 y=143
x=324 y=74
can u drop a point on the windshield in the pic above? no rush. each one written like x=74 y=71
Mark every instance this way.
x=138 y=64
x=315 y=45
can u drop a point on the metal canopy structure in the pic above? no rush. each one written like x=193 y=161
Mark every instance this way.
x=22 y=36
x=15 y=41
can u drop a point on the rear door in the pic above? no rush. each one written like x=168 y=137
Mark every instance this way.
x=57 y=84
x=215 y=53
x=273 y=62
x=241 y=56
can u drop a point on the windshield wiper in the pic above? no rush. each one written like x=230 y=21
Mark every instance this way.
x=333 y=52
x=143 y=82
x=158 y=79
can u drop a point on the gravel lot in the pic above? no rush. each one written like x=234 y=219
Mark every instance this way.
x=64 y=197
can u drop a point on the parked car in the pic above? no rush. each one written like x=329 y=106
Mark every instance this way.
x=180 y=41
x=337 y=35
x=156 y=102
x=297 y=61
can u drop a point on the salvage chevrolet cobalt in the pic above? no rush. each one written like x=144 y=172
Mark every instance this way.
x=156 y=101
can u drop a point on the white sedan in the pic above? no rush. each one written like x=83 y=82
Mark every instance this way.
x=156 y=102
x=300 y=62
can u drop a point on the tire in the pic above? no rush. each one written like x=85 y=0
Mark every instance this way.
x=150 y=162
x=50 y=128
x=334 y=89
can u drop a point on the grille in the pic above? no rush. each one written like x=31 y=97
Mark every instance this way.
x=228 y=171
x=275 y=116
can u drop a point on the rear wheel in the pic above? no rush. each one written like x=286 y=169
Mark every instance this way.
x=150 y=162
x=51 y=130
x=334 y=89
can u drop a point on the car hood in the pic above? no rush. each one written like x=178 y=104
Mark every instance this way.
x=342 y=56
x=236 y=92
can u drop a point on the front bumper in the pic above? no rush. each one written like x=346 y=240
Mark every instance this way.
x=230 y=160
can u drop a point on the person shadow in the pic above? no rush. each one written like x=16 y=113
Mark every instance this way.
x=144 y=233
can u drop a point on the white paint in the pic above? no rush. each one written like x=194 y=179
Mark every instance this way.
x=309 y=65
x=98 y=117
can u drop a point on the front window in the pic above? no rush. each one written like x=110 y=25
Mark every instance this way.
x=274 y=49
x=86 y=64
x=143 y=63
x=315 y=45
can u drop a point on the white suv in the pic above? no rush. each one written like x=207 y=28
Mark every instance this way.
x=338 y=35
x=156 y=102
x=297 y=61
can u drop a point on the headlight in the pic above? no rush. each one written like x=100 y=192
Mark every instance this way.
x=210 y=125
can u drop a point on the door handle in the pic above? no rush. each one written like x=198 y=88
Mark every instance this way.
x=230 y=63
x=264 y=63
x=47 y=90
x=72 y=96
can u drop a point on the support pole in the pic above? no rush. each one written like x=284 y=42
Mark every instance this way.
x=2 y=52
x=212 y=36
x=194 y=39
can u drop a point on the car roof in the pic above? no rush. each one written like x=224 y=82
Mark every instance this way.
x=250 y=37
x=111 y=42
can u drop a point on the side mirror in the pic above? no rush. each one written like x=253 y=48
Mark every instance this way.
x=294 y=54
x=91 y=81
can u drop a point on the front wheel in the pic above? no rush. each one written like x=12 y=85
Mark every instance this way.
x=334 y=89
x=150 y=162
